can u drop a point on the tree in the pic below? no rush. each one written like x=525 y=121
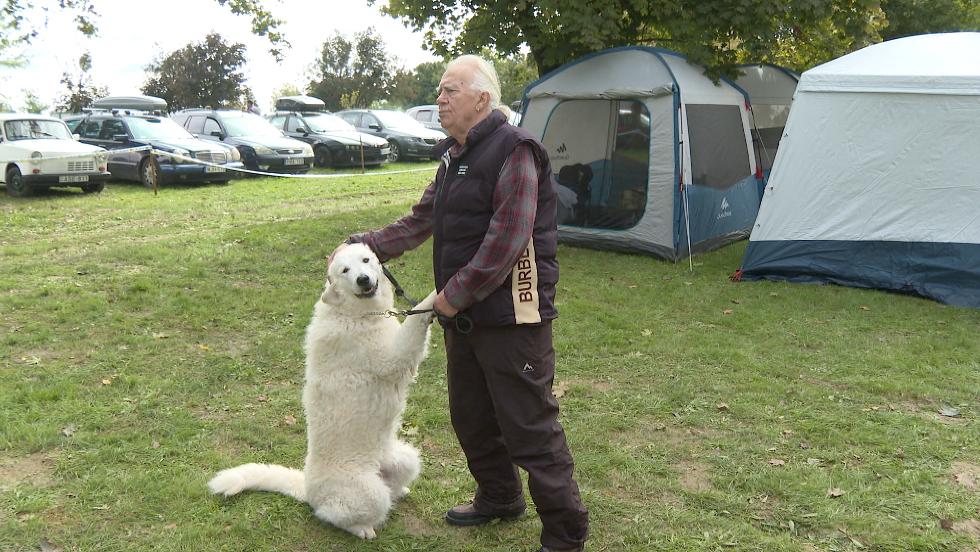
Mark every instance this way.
x=32 y=104
x=346 y=66
x=427 y=77
x=404 y=89
x=716 y=33
x=910 y=17
x=81 y=88
x=201 y=74
x=515 y=73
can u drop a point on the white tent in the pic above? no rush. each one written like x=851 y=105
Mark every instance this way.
x=877 y=181
x=650 y=154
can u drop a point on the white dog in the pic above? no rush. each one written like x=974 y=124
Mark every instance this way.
x=358 y=369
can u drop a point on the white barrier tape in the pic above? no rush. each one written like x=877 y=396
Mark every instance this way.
x=250 y=171
x=77 y=155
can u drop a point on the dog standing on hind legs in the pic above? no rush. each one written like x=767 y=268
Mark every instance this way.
x=359 y=366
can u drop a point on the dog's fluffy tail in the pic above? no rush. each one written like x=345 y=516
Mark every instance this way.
x=259 y=477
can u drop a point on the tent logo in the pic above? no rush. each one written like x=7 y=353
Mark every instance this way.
x=726 y=209
x=561 y=153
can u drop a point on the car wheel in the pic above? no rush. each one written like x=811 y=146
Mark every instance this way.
x=93 y=188
x=150 y=173
x=322 y=157
x=396 y=152
x=16 y=187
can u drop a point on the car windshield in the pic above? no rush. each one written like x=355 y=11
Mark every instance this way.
x=35 y=129
x=327 y=123
x=399 y=121
x=155 y=128
x=248 y=124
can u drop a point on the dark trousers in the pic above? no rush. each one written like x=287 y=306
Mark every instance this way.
x=504 y=413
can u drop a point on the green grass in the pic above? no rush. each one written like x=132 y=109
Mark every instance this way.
x=148 y=341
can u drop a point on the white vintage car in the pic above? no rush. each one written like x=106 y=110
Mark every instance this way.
x=40 y=152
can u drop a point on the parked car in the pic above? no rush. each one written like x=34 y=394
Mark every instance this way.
x=263 y=147
x=125 y=129
x=428 y=115
x=406 y=137
x=40 y=152
x=336 y=143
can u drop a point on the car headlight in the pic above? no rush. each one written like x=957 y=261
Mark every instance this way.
x=262 y=150
x=235 y=154
x=101 y=157
x=353 y=147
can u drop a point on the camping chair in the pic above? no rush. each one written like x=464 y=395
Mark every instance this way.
x=578 y=178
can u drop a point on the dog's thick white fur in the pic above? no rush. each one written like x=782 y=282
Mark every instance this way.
x=358 y=369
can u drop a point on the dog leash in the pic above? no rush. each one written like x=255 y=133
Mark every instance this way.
x=462 y=321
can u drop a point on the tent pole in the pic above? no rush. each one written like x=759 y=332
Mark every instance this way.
x=687 y=224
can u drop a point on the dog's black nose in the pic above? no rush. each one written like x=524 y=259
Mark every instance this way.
x=364 y=281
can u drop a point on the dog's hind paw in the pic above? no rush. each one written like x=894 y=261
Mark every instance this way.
x=363 y=531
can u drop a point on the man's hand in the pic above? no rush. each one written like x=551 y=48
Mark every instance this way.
x=443 y=307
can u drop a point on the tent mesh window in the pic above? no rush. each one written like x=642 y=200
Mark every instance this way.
x=718 y=155
x=600 y=151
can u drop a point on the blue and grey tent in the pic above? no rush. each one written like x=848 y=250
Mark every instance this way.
x=877 y=180
x=650 y=155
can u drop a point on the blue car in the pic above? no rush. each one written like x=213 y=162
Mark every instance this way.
x=122 y=130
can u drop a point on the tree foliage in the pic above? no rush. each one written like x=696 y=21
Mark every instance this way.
x=33 y=104
x=345 y=66
x=80 y=88
x=716 y=33
x=201 y=74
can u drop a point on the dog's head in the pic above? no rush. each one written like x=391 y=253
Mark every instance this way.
x=355 y=277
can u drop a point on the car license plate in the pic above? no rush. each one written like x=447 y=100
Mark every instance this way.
x=294 y=160
x=385 y=151
x=73 y=178
x=210 y=169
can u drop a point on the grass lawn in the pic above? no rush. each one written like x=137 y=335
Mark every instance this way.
x=149 y=341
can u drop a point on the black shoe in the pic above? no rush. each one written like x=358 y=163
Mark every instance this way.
x=466 y=515
x=579 y=548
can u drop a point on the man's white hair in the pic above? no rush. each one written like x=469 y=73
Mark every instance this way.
x=484 y=78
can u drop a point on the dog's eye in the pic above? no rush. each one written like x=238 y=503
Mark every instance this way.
x=367 y=260
x=346 y=270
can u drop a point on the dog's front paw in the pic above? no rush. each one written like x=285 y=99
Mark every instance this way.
x=363 y=531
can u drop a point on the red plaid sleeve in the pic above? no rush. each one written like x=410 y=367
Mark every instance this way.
x=515 y=202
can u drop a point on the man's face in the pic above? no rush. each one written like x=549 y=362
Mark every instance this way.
x=460 y=107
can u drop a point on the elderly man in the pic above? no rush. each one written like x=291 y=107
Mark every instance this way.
x=491 y=212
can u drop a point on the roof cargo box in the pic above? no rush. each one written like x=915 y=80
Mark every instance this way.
x=300 y=103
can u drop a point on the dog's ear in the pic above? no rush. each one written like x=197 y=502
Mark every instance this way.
x=330 y=295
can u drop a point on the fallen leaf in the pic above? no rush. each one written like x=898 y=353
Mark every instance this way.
x=737 y=301
x=787 y=432
x=776 y=462
x=160 y=336
x=646 y=333
x=814 y=461
x=949 y=412
x=660 y=427
x=68 y=430
x=722 y=407
x=410 y=430
x=203 y=346
x=727 y=311
x=106 y=381
x=560 y=389
x=835 y=492
x=289 y=420
x=262 y=398
x=865 y=308
x=805 y=445
x=154 y=445
x=48 y=546
x=170 y=526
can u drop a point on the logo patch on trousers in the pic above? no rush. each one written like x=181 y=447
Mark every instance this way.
x=527 y=368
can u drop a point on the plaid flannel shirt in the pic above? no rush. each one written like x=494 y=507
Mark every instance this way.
x=515 y=200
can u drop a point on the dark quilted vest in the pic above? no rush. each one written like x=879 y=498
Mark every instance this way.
x=462 y=212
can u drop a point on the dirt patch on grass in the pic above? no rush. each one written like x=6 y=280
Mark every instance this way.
x=969 y=527
x=694 y=477
x=966 y=475
x=416 y=526
x=34 y=469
